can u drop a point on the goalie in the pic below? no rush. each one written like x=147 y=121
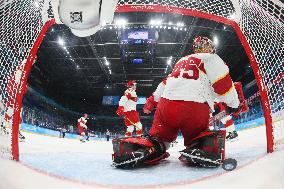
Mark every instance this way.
x=183 y=101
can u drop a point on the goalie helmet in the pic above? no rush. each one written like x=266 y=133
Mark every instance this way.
x=202 y=45
x=84 y=17
x=131 y=84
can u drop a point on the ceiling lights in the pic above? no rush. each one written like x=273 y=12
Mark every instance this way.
x=108 y=65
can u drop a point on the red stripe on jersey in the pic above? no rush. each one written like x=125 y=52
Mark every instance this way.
x=165 y=81
x=223 y=85
x=229 y=123
x=201 y=67
x=82 y=121
x=198 y=63
x=129 y=97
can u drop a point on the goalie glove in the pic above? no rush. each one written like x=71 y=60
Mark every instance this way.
x=120 y=111
x=149 y=105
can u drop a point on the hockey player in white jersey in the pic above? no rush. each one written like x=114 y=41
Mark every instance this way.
x=127 y=109
x=81 y=125
x=185 y=99
x=227 y=119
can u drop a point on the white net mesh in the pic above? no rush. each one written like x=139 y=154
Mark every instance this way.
x=264 y=36
x=20 y=24
x=261 y=21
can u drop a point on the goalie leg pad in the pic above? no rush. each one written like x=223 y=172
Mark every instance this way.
x=206 y=150
x=132 y=152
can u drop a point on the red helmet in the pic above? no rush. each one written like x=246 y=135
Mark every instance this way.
x=131 y=83
x=202 y=44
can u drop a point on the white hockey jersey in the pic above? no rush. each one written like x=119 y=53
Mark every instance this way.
x=82 y=122
x=200 y=77
x=128 y=100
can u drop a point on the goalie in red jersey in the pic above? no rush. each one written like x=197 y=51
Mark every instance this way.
x=184 y=101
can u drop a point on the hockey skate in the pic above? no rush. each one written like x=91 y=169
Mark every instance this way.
x=232 y=136
x=21 y=137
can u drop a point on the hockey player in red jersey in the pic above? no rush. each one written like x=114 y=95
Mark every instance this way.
x=81 y=125
x=184 y=101
x=127 y=109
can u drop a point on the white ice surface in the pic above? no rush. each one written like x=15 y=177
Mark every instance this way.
x=89 y=163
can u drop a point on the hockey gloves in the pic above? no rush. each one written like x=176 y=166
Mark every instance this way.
x=120 y=111
x=149 y=105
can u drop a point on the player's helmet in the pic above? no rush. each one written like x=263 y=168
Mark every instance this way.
x=131 y=83
x=85 y=115
x=202 y=45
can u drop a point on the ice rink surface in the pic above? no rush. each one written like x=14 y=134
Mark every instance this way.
x=89 y=164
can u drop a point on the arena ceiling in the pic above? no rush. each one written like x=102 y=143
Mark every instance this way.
x=77 y=71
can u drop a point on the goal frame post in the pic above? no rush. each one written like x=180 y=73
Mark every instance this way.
x=154 y=9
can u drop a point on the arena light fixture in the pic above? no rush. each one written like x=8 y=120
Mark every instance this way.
x=169 y=62
x=61 y=42
x=121 y=22
x=215 y=40
x=156 y=22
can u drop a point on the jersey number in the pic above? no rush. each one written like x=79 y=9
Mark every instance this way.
x=186 y=69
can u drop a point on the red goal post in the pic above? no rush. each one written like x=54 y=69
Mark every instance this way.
x=258 y=26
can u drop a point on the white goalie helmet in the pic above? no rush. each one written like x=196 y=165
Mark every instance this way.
x=85 y=17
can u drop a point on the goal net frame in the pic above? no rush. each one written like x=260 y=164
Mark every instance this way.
x=158 y=7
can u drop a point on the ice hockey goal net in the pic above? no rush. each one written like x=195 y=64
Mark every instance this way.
x=258 y=23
